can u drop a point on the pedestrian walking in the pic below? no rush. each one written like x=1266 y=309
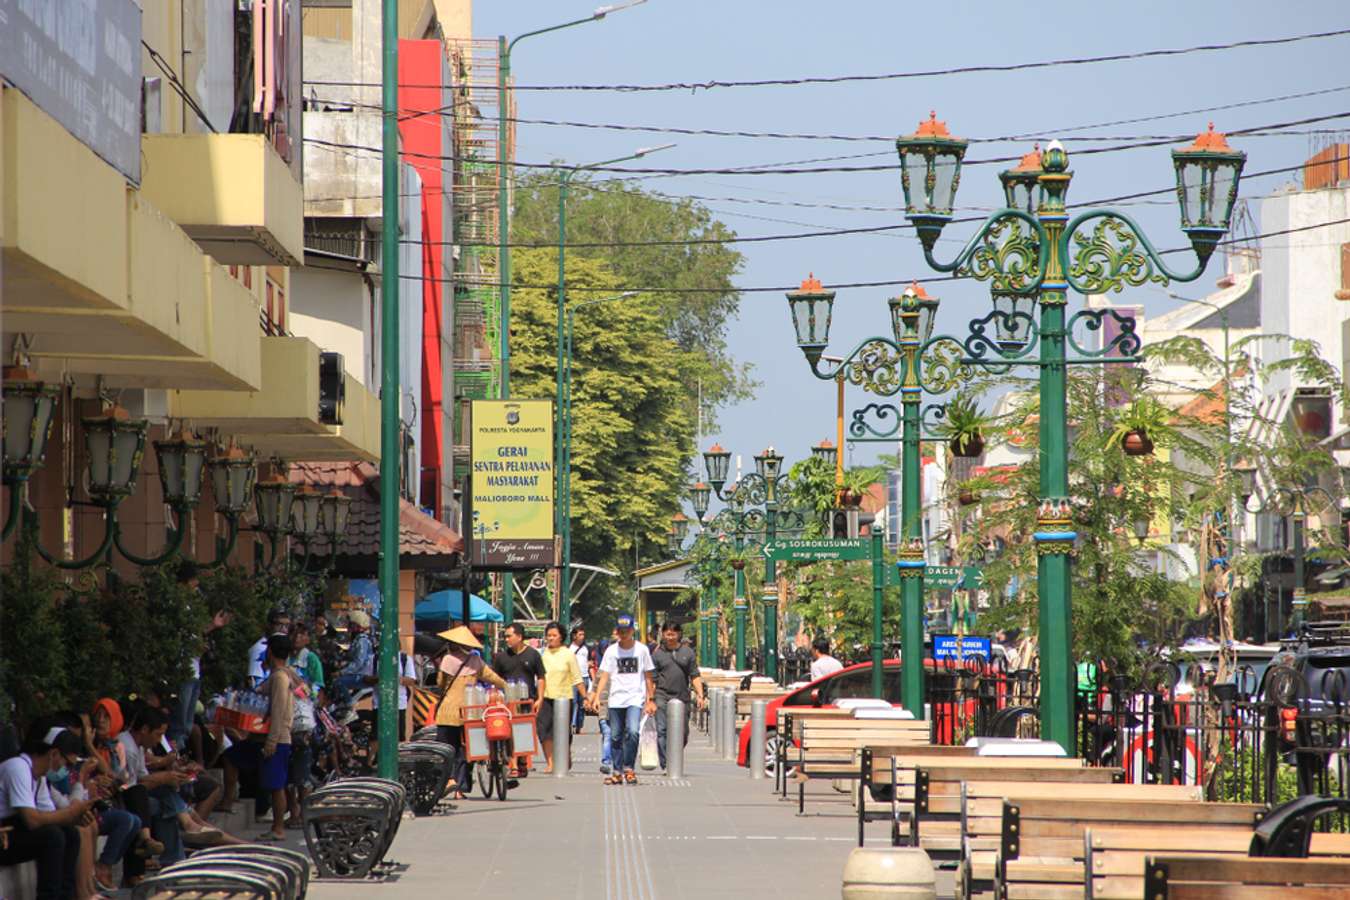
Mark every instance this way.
x=583 y=654
x=822 y=663
x=601 y=709
x=562 y=679
x=626 y=672
x=677 y=678
x=460 y=667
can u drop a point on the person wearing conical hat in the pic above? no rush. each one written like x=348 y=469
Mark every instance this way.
x=460 y=667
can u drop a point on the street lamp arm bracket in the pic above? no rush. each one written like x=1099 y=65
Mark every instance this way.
x=943 y=366
x=1124 y=345
x=860 y=429
x=1007 y=249
x=930 y=426
x=169 y=550
x=109 y=534
x=1114 y=253
x=875 y=365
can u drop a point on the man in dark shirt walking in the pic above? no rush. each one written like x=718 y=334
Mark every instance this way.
x=520 y=661
x=675 y=675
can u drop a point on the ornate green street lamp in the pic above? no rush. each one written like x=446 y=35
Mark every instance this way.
x=27 y=422
x=890 y=366
x=827 y=453
x=1033 y=252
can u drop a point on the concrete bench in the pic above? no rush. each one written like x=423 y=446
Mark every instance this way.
x=1115 y=857
x=1251 y=878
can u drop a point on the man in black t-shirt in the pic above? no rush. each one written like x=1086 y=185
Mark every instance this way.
x=676 y=673
x=520 y=660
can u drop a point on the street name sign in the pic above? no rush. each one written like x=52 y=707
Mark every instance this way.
x=949 y=646
x=825 y=550
x=942 y=578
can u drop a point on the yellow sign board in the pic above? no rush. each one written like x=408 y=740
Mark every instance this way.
x=513 y=481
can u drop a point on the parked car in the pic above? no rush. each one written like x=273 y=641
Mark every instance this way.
x=853 y=681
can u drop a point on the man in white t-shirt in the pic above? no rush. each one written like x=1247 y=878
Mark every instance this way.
x=822 y=663
x=626 y=672
x=42 y=833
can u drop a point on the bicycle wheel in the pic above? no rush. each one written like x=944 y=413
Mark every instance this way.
x=501 y=754
x=484 y=776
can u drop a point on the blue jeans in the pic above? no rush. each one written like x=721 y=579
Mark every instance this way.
x=578 y=703
x=165 y=805
x=120 y=828
x=623 y=732
x=184 y=711
x=606 y=751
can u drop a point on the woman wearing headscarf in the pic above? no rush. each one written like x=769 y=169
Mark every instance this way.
x=460 y=667
x=107 y=723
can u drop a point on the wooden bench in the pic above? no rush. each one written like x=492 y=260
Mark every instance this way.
x=934 y=819
x=830 y=748
x=982 y=827
x=1041 y=852
x=1249 y=878
x=789 y=726
x=877 y=798
x=1115 y=856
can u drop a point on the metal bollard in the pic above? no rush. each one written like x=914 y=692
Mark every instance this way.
x=715 y=725
x=562 y=737
x=730 y=735
x=756 y=751
x=675 y=738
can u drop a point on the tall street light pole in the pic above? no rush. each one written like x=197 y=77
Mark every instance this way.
x=1032 y=250
x=504 y=173
x=564 y=525
x=390 y=393
x=504 y=50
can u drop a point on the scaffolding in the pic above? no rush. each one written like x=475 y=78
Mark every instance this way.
x=474 y=197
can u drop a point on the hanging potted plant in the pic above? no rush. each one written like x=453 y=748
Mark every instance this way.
x=963 y=426
x=1140 y=424
x=967 y=495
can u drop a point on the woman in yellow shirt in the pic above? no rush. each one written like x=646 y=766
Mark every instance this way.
x=561 y=676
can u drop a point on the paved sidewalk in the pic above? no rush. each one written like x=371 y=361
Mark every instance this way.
x=711 y=835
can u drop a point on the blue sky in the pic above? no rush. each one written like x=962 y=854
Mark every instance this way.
x=698 y=40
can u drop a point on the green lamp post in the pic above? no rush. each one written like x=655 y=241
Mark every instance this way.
x=1033 y=252
x=890 y=366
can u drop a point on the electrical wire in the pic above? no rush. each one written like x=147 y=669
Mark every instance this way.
x=891 y=76
x=492 y=282
x=178 y=87
x=789 y=168
x=834 y=232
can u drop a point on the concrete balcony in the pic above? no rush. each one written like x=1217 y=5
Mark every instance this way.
x=282 y=418
x=100 y=282
x=231 y=193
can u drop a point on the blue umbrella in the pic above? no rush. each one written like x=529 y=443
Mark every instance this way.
x=442 y=606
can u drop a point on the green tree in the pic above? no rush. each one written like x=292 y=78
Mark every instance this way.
x=633 y=420
x=607 y=222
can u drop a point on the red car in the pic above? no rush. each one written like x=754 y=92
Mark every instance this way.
x=854 y=681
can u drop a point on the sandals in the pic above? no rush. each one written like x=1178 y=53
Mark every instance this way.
x=613 y=779
x=629 y=777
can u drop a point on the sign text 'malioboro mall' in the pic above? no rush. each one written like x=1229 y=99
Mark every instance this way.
x=512 y=484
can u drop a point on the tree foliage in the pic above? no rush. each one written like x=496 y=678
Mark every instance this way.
x=606 y=222
x=633 y=420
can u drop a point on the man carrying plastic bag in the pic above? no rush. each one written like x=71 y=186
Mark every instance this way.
x=626 y=672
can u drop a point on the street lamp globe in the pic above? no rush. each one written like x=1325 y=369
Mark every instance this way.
x=27 y=420
x=699 y=495
x=811 y=308
x=768 y=464
x=115 y=443
x=930 y=172
x=827 y=452
x=1012 y=328
x=274 y=499
x=182 y=460
x=1207 y=186
x=1019 y=182
x=232 y=477
x=679 y=524
x=307 y=512
x=672 y=543
x=718 y=462
x=1246 y=473
x=334 y=511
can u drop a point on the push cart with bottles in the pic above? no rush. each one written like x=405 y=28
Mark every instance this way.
x=501 y=736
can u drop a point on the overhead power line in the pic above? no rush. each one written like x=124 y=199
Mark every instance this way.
x=793 y=168
x=491 y=282
x=891 y=76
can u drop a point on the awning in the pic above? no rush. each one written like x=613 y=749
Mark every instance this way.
x=437 y=609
